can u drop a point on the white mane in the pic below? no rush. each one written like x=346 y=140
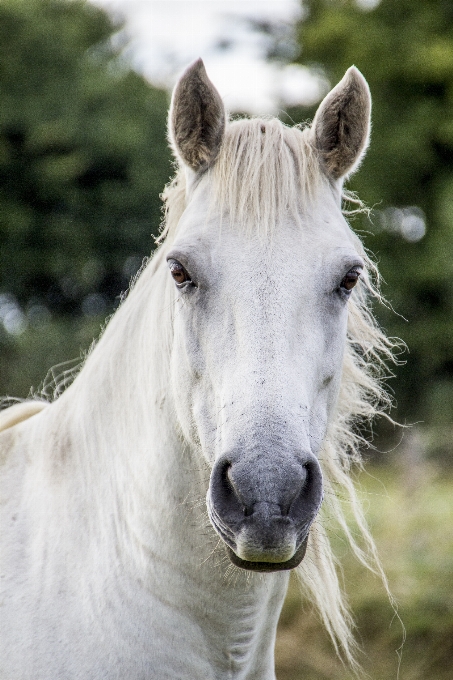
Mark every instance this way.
x=256 y=157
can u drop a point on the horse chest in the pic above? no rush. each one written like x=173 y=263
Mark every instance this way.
x=114 y=627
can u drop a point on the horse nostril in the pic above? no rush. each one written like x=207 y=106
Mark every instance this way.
x=309 y=498
x=224 y=476
x=231 y=489
x=224 y=495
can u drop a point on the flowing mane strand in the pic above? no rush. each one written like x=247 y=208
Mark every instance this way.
x=266 y=170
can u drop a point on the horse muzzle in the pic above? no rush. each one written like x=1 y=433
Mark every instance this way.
x=262 y=507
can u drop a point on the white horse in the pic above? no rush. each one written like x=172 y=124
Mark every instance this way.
x=233 y=372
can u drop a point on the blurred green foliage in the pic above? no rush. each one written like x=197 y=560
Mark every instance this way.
x=83 y=157
x=36 y=361
x=405 y=50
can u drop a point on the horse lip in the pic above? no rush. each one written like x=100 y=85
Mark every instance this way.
x=230 y=545
x=293 y=562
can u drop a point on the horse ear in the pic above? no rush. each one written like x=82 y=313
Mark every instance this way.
x=341 y=127
x=197 y=118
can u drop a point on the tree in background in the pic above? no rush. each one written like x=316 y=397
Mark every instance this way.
x=83 y=155
x=83 y=158
x=405 y=50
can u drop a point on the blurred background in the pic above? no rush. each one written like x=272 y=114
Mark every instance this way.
x=83 y=158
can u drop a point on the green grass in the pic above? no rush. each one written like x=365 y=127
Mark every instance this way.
x=410 y=512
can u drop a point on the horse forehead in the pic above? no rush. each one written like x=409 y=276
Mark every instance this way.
x=290 y=247
x=318 y=231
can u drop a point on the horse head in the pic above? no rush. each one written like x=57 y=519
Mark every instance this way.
x=264 y=265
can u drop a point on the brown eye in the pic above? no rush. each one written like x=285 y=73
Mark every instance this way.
x=350 y=280
x=178 y=272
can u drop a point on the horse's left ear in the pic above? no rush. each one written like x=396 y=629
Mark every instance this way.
x=197 y=118
x=341 y=127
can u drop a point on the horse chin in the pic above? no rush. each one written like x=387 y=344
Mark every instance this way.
x=295 y=560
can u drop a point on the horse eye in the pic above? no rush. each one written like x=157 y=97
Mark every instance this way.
x=178 y=272
x=350 y=280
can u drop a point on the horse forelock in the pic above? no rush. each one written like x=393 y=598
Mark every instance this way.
x=264 y=172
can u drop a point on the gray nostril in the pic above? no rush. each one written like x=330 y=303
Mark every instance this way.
x=309 y=498
x=246 y=509
x=223 y=494
x=224 y=476
x=302 y=476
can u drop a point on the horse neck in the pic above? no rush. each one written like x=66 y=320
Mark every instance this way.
x=144 y=489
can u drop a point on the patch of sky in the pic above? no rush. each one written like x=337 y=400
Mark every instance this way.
x=233 y=37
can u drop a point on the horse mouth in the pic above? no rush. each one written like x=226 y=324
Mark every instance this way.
x=293 y=562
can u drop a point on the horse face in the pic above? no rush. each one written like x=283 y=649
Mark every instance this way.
x=259 y=340
x=259 y=337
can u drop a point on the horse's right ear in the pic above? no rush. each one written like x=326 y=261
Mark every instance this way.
x=341 y=127
x=197 y=118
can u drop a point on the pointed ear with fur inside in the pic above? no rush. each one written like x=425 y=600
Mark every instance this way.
x=197 y=119
x=341 y=127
